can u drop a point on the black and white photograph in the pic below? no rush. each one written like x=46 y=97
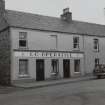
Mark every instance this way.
x=52 y=52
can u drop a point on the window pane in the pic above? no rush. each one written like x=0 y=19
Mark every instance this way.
x=22 y=43
x=22 y=35
x=75 y=45
x=96 y=44
x=76 y=42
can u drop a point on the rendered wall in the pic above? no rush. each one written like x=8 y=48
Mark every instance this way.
x=40 y=40
x=91 y=54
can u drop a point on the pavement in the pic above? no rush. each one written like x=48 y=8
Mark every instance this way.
x=39 y=84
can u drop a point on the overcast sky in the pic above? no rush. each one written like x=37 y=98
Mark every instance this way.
x=83 y=10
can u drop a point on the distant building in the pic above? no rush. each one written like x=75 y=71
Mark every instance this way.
x=36 y=47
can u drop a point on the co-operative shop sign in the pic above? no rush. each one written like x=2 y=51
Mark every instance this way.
x=47 y=54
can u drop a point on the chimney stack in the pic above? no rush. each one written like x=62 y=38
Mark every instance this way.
x=66 y=16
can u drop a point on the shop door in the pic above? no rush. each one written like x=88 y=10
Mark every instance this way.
x=39 y=70
x=66 y=68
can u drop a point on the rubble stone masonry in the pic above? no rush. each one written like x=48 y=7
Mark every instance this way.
x=5 y=57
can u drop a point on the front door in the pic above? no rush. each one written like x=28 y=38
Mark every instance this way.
x=39 y=70
x=66 y=68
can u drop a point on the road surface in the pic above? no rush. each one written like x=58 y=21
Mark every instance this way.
x=90 y=92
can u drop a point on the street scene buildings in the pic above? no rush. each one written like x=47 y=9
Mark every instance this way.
x=36 y=47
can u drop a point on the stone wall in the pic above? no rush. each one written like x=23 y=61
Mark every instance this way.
x=5 y=58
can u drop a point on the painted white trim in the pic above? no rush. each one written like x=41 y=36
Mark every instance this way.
x=77 y=72
x=23 y=76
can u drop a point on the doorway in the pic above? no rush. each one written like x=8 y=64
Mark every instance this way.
x=66 y=68
x=40 y=70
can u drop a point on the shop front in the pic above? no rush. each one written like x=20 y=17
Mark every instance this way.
x=42 y=65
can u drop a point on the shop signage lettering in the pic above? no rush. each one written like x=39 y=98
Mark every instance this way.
x=47 y=54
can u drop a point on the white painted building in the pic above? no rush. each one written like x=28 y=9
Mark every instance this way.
x=43 y=47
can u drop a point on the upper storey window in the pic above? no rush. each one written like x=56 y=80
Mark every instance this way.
x=96 y=44
x=76 y=42
x=23 y=39
x=54 y=41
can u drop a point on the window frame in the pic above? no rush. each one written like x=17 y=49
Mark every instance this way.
x=56 y=40
x=76 y=43
x=75 y=65
x=96 y=45
x=57 y=66
x=27 y=69
x=23 y=38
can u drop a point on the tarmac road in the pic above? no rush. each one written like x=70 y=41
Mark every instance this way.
x=90 y=92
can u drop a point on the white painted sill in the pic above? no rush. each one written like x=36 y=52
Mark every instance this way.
x=77 y=72
x=24 y=76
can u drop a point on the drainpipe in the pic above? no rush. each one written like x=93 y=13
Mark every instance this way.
x=84 y=54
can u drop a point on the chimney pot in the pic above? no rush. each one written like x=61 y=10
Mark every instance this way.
x=66 y=10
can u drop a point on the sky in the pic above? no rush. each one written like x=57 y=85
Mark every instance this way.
x=82 y=10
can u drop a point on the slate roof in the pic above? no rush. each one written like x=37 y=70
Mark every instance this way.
x=34 y=21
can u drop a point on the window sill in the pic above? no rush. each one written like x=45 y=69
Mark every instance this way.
x=96 y=51
x=24 y=76
x=23 y=48
x=77 y=72
x=76 y=49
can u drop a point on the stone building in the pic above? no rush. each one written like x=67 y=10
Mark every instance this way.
x=36 y=47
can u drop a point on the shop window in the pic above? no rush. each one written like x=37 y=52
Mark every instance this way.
x=23 y=39
x=77 y=65
x=76 y=42
x=96 y=44
x=23 y=67
x=96 y=61
x=55 y=66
